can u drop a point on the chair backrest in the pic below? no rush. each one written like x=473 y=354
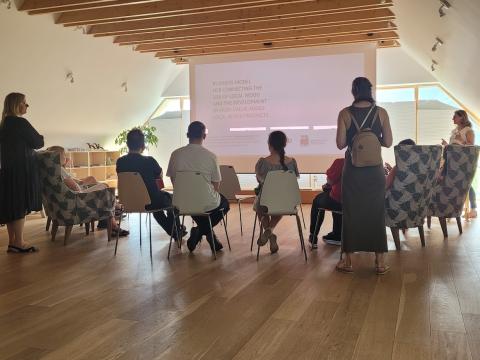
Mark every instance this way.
x=406 y=202
x=229 y=186
x=449 y=194
x=132 y=192
x=191 y=193
x=280 y=192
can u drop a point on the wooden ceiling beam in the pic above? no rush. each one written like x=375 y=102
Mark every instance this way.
x=388 y=43
x=354 y=17
x=282 y=44
x=55 y=6
x=160 y=8
x=327 y=31
x=238 y=16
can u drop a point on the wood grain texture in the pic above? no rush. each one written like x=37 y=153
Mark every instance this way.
x=80 y=302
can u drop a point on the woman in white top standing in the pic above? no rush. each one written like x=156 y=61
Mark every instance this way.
x=463 y=135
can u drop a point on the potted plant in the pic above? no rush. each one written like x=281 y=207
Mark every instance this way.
x=148 y=131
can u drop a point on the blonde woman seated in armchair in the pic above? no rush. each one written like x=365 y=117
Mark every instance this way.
x=85 y=185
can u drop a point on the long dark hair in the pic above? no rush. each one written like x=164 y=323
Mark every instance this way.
x=278 y=140
x=362 y=90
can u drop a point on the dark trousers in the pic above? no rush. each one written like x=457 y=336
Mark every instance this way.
x=472 y=198
x=215 y=217
x=163 y=199
x=324 y=201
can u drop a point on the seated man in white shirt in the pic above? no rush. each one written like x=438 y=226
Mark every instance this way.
x=194 y=157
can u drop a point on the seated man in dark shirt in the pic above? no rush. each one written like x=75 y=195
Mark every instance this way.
x=148 y=167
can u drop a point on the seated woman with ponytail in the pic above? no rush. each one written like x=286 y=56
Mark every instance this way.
x=277 y=160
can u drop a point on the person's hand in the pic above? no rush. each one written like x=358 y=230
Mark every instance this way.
x=387 y=168
x=326 y=187
x=444 y=142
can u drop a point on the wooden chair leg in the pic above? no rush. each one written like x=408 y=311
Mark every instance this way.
x=54 y=229
x=92 y=224
x=422 y=235
x=118 y=233
x=253 y=232
x=49 y=221
x=396 y=236
x=68 y=231
x=429 y=222
x=443 y=224
x=459 y=224
x=87 y=228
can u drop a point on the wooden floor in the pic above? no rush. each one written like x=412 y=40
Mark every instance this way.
x=80 y=302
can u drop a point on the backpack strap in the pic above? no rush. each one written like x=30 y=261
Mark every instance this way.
x=374 y=118
x=359 y=128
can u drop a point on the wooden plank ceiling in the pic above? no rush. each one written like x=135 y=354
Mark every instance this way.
x=179 y=29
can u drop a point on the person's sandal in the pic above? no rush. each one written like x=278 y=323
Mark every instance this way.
x=263 y=239
x=20 y=250
x=382 y=270
x=273 y=243
x=343 y=267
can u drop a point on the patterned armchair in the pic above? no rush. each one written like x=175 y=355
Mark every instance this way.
x=406 y=202
x=450 y=193
x=66 y=207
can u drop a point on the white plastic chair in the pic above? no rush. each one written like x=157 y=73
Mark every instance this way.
x=191 y=198
x=134 y=196
x=230 y=188
x=281 y=196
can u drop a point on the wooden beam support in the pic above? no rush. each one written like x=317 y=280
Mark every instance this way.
x=55 y=6
x=282 y=44
x=238 y=16
x=257 y=27
x=388 y=43
x=326 y=31
x=160 y=8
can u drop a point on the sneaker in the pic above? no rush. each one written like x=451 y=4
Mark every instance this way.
x=218 y=245
x=331 y=236
x=334 y=242
x=193 y=239
x=313 y=241
x=273 y=243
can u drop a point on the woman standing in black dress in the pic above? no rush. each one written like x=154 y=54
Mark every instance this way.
x=363 y=188
x=19 y=183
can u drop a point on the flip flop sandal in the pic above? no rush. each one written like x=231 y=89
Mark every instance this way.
x=382 y=270
x=343 y=267
x=19 y=250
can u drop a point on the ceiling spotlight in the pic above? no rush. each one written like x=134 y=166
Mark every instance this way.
x=438 y=42
x=83 y=29
x=124 y=86
x=445 y=5
x=7 y=3
x=434 y=65
x=69 y=77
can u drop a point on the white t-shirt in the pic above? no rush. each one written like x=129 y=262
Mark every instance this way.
x=194 y=157
x=459 y=137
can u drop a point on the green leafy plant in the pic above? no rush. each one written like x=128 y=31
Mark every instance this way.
x=148 y=131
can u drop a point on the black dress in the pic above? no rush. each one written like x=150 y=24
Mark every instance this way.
x=20 y=191
x=363 y=197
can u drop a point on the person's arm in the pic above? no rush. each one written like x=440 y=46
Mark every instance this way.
x=72 y=185
x=387 y=138
x=470 y=135
x=32 y=138
x=259 y=173
x=390 y=178
x=342 y=130
x=216 y=175
x=171 y=169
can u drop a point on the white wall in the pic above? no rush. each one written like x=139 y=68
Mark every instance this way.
x=35 y=56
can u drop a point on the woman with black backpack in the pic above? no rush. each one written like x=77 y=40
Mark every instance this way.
x=363 y=128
